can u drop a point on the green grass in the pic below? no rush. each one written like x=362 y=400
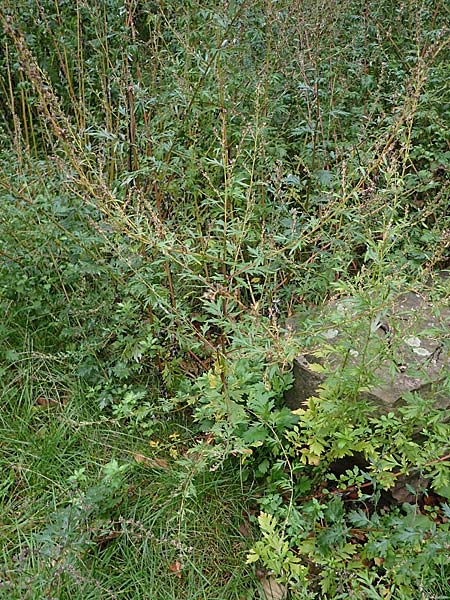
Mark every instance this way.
x=129 y=542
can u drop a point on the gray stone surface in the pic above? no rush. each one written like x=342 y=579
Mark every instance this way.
x=388 y=349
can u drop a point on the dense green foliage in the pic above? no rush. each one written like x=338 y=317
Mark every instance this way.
x=176 y=179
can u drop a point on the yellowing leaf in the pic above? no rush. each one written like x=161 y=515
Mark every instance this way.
x=316 y=448
x=46 y=402
x=252 y=557
x=158 y=463
x=267 y=522
x=140 y=458
x=213 y=381
x=316 y=368
x=176 y=568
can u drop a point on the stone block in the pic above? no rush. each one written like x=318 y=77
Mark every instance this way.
x=392 y=348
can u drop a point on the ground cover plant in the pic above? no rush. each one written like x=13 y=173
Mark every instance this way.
x=177 y=180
